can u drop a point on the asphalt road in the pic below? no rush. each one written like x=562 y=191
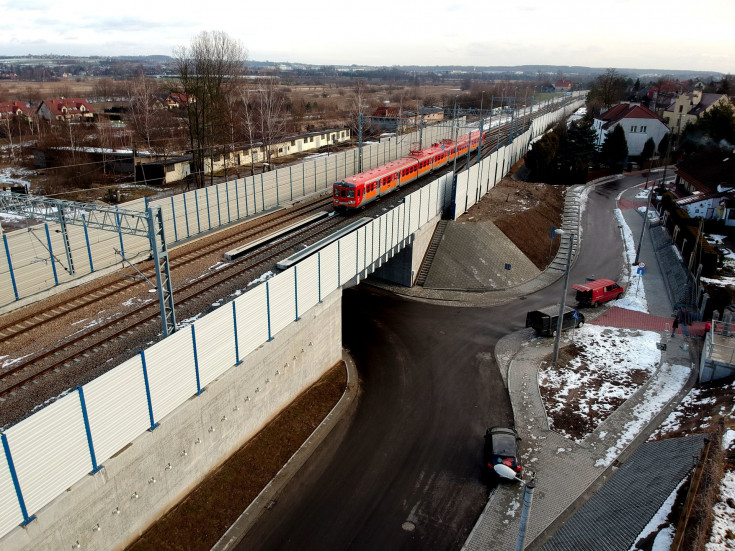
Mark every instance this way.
x=403 y=470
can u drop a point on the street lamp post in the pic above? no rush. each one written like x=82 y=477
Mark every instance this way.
x=559 y=323
x=528 y=487
x=482 y=98
x=645 y=219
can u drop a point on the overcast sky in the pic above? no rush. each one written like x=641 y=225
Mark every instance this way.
x=658 y=34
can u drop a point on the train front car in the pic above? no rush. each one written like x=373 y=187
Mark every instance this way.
x=346 y=195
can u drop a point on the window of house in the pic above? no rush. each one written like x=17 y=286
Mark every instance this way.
x=643 y=128
x=170 y=168
x=633 y=128
x=293 y=142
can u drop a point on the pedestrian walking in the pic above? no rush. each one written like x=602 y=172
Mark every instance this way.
x=675 y=325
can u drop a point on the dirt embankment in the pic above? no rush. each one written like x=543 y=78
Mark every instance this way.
x=525 y=211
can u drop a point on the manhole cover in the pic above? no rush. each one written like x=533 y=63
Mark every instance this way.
x=408 y=526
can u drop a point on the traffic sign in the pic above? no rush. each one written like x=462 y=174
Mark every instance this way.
x=552 y=232
x=575 y=315
x=641 y=271
x=642 y=265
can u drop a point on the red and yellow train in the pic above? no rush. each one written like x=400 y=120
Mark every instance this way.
x=365 y=187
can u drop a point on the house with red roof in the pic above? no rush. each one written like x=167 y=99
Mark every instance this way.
x=638 y=122
x=688 y=107
x=176 y=100
x=563 y=85
x=65 y=109
x=10 y=109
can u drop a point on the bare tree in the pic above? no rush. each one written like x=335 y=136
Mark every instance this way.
x=359 y=101
x=247 y=117
x=143 y=111
x=204 y=69
x=271 y=110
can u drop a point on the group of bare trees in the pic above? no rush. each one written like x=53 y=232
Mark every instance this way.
x=223 y=109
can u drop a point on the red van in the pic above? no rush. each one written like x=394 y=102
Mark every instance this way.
x=596 y=292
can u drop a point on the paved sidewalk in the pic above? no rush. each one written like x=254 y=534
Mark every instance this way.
x=569 y=472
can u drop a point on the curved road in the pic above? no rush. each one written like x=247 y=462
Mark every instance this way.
x=403 y=471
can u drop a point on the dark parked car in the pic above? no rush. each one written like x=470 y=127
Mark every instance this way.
x=546 y=320
x=500 y=447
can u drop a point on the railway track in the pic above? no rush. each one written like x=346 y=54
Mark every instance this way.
x=90 y=342
x=36 y=321
x=82 y=353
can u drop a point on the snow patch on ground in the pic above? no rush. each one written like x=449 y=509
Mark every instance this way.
x=669 y=381
x=635 y=294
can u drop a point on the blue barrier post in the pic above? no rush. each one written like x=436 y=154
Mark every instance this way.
x=339 y=263
x=227 y=199
x=262 y=191
x=245 y=184
x=278 y=201
x=209 y=213
x=119 y=232
x=95 y=467
x=219 y=210
x=255 y=198
x=51 y=253
x=237 y=201
x=196 y=359
x=290 y=180
x=10 y=266
x=148 y=391
x=186 y=217
x=314 y=176
x=16 y=483
x=238 y=361
x=296 y=291
x=196 y=205
x=303 y=179
x=319 y=273
x=268 y=308
x=173 y=218
x=86 y=238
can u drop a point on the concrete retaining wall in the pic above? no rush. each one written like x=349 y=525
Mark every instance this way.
x=110 y=509
x=404 y=267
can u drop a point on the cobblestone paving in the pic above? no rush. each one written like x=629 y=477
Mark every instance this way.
x=620 y=317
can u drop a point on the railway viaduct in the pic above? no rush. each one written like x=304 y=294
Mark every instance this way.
x=109 y=508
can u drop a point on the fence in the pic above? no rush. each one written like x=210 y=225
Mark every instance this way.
x=48 y=452
x=32 y=261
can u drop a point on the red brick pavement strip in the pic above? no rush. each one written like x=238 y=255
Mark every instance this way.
x=632 y=319
x=627 y=204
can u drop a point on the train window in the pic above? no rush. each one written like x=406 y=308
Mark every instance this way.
x=351 y=194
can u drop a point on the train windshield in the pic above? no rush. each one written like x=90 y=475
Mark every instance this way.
x=344 y=190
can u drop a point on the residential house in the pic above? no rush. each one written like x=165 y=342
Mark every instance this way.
x=9 y=109
x=175 y=169
x=688 y=107
x=638 y=122
x=708 y=178
x=65 y=109
x=663 y=95
x=176 y=100
x=563 y=85
x=388 y=118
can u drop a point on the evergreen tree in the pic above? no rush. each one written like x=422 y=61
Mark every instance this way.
x=649 y=148
x=576 y=153
x=615 y=148
x=541 y=155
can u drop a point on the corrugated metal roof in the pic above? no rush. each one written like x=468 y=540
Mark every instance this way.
x=614 y=517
